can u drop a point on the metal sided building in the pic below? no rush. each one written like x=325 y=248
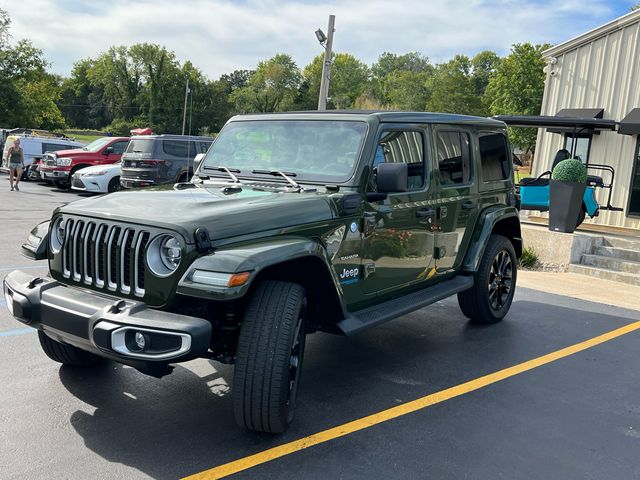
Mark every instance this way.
x=597 y=75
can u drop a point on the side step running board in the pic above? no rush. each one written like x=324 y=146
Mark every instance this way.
x=371 y=316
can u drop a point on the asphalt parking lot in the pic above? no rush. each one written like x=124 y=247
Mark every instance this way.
x=574 y=414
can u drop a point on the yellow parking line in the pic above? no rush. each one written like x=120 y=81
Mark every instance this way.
x=405 y=408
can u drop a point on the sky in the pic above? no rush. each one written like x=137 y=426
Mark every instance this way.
x=219 y=36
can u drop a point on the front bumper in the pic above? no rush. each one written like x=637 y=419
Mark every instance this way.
x=48 y=173
x=105 y=325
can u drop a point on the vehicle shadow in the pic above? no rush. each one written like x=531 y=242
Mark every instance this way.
x=184 y=423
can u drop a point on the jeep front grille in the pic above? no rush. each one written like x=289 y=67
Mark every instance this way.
x=105 y=256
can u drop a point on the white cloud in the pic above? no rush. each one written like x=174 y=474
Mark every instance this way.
x=220 y=36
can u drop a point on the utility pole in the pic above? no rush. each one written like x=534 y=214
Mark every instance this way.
x=184 y=114
x=326 y=67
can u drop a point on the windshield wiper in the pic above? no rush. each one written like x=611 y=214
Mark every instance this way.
x=286 y=175
x=228 y=171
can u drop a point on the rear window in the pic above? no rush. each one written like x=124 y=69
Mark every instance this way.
x=142 y=145
x=179 y=148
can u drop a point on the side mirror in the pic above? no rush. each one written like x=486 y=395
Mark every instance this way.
x=108 y=150
x=392 y=177
x=197 y=161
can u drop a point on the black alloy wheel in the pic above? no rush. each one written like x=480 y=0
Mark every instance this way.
x=500 y=278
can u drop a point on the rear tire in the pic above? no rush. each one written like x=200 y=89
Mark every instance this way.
x=114 y=185
x=269 y=357
x=489 y=300
x=67 y=354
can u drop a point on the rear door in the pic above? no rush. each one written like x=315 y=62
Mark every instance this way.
x=457 y=194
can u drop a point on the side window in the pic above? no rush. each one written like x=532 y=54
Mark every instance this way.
x=494 y=156
x=403 y=147
x=176 y=148
x=453 y=150
x=119 y=147
x=54 y=147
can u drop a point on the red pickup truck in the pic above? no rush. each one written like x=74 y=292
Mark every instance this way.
x=58 y=167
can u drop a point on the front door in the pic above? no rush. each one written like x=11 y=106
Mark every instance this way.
x=398 y=237
x=457 y=194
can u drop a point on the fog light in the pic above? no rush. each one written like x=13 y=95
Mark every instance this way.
x=141 y=342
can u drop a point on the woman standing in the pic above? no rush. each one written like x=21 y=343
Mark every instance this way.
x=15 y=156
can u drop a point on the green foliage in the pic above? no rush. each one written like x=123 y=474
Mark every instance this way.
x=401 y=81
x=571 y=170
x=28 y=94
x=122 y=127
x=349 y=78
x=271 y=88
x=529 y=258
x=452 y=88
x=516 y=88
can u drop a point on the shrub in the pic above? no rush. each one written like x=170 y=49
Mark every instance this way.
x=571 y=170
x=529 y=258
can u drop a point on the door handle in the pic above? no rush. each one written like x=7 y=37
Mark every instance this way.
x=468 y=205
x=426 y=212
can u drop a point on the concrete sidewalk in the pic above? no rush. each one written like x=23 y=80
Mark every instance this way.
x=582 y=287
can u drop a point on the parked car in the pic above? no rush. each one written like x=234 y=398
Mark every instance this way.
x=97 y=179
x=60 y=167
x=293 y=223
x=35 y=146
x=160 y=159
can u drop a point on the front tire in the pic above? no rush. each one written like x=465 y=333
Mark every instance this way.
x=489 y=300
x=269 y=357
x=67 y=354
x=114 y=185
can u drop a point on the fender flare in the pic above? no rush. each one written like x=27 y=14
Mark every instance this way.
x=485 y=226
x=252 y=257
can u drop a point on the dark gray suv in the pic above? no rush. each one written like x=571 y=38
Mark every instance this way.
x=159 y=159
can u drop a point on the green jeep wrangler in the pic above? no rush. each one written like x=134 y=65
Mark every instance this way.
x=293 y=223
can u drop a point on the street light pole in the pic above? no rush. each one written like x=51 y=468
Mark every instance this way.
x=184 y=114
x=326 y=66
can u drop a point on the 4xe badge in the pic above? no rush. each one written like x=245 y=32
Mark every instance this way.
x=349 y=275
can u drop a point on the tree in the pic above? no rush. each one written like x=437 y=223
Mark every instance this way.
x=452 y=88
x=28 y=94
x=271 y=88
x=516 y=88
x=400 y=81
x=236 y=79
x=349 y=77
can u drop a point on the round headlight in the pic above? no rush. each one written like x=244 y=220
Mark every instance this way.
x=57 y=235
x=163 y=255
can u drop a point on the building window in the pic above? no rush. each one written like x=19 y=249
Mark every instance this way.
x=582 y=146
x=634 y=191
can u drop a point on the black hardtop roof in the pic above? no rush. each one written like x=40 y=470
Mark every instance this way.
x=172 y=137
x=381 y=116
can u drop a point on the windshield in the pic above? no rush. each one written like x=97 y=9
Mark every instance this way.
x=323 y=151
x=97 y=144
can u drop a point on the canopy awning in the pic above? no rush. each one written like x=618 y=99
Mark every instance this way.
x=630 y=125
x=558 y=124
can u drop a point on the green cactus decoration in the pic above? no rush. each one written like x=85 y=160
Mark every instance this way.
x=571 y=170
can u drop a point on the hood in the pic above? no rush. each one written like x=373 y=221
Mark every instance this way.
x=99 y=168
x=70 y=152
x=224 y=215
